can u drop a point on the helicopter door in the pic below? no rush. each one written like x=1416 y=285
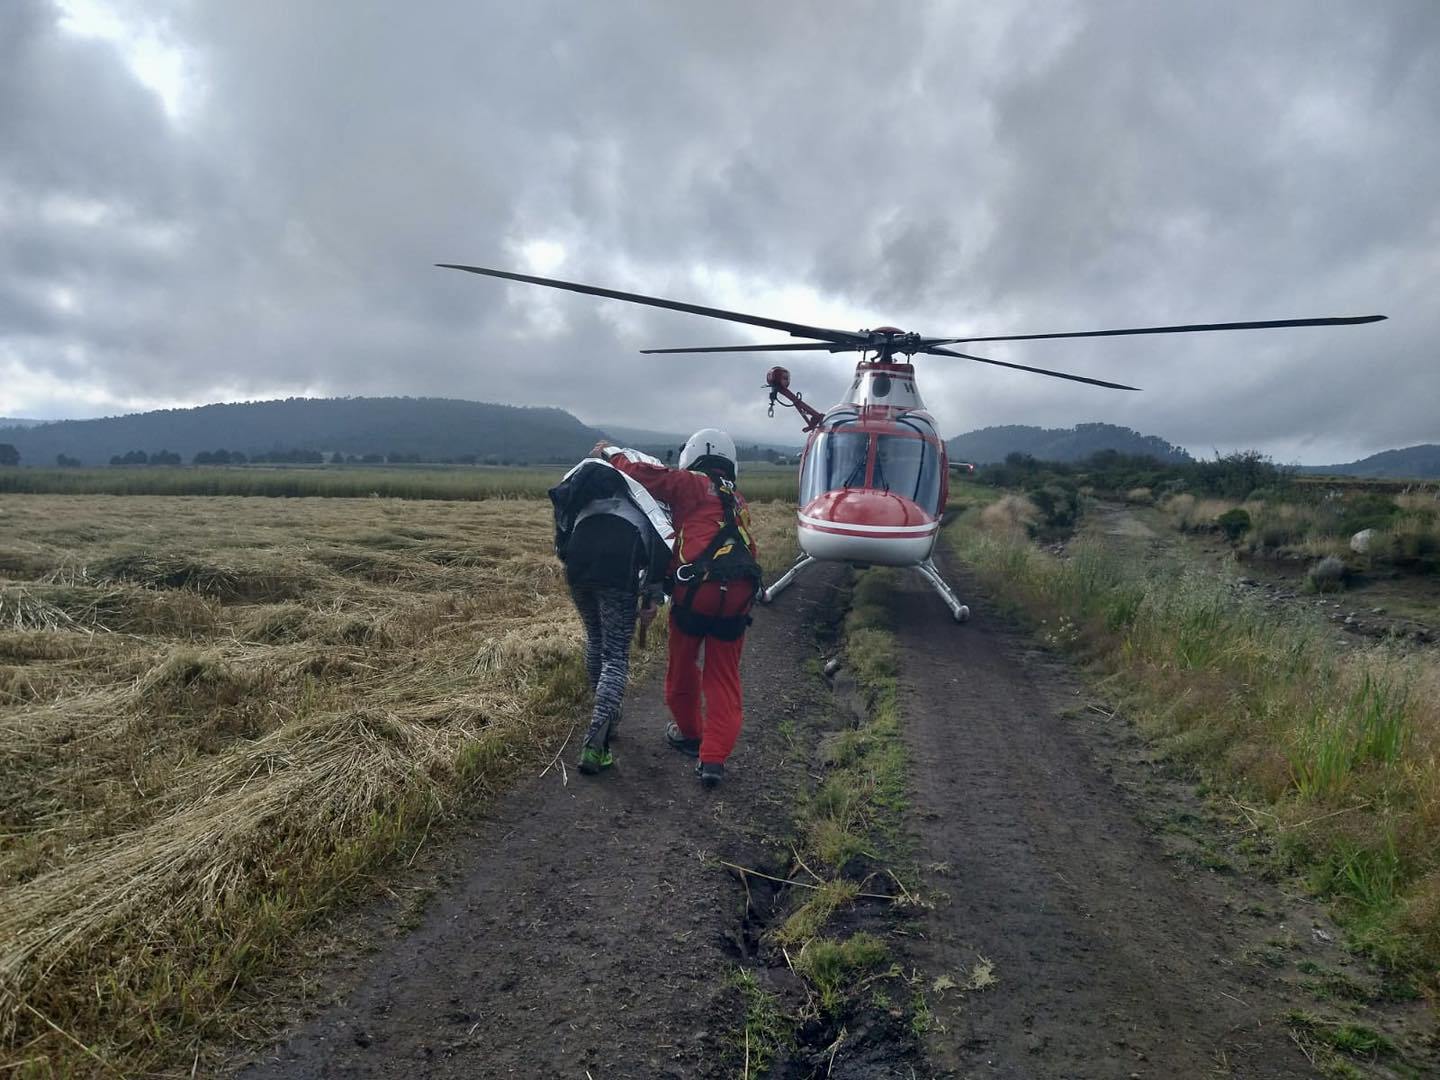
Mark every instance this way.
x=909 y=465
x=837 y=459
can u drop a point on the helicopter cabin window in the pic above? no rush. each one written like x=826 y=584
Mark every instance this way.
x=909 y=465
x=837 y=460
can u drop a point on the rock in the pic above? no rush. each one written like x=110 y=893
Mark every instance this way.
x=1377 y=611
x=1361 y=541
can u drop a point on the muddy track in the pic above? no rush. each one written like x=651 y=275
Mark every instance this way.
x=1121 y=945
x=586 y=928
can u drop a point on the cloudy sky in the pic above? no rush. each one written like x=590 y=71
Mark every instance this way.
x=206 y=201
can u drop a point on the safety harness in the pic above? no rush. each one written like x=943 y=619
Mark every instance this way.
x=726 y=560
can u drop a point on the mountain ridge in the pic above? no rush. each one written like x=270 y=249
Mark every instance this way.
x=987 y=445
x=433 y=428
x=1419 y=462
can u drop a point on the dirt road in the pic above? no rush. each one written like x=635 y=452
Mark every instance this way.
x=591 y=932
x=1108 y=960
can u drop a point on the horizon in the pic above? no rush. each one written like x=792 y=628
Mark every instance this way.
x=741 y=436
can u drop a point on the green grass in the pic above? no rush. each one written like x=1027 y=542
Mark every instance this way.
x=835 y=967
x=854 y=813
x=1356 y=1040
x=767 y=1029
x=446 y=482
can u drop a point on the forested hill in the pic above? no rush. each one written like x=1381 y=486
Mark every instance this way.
x=1059 y=444
x=1413 y=462
x=426 y=429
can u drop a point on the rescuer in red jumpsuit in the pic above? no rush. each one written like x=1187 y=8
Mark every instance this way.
x=702 y=691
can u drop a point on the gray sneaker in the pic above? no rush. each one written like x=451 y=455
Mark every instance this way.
x=676 y=738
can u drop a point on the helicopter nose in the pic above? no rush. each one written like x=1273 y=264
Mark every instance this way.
x=864 y=525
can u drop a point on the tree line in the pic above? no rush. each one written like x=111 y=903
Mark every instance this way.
x=9 y=455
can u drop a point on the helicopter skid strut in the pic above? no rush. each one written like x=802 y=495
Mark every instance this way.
x=927 y=570
x=931 y=574
x=769 y=594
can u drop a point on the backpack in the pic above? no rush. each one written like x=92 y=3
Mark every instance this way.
x=572 y=495
x=594 y=483
x=725 y=560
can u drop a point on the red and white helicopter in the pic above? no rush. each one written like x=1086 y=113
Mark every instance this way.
x=874 y=477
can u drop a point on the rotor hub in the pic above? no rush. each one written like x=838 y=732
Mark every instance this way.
x=888 y=340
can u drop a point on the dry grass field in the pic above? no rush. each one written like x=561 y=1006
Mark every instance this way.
x=219 y=716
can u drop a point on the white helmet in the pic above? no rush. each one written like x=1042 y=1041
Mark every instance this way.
x=709 y=443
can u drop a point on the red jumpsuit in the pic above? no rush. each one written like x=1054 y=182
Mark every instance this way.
x=703 y=695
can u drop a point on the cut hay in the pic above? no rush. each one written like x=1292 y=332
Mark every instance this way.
x=22 y=610
x=200 y=752
x=228 y=584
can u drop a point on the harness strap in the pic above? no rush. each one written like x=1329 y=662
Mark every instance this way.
x=696 y=573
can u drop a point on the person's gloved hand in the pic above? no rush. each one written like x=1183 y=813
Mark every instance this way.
x=647 y=616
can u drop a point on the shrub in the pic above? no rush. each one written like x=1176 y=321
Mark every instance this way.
x=1237 y=475
x=1327 y=575
x=1234 y=524
x=1010 y=514
x=1368 y=511
x=1416 y=540
x=1059 y=504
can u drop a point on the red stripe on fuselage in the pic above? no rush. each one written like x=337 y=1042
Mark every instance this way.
x=840 y=530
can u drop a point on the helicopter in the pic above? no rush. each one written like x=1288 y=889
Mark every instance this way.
x=874 y=475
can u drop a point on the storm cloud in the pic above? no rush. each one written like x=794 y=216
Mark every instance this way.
x=204 y=201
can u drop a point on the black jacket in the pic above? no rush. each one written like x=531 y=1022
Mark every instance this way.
x=606 y=549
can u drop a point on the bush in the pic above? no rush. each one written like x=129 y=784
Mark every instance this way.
x=1010 y=515
x=1327 y=575
x=1368 y=511
x=1234 y=524
x=1059 y=504
x=1237 y=475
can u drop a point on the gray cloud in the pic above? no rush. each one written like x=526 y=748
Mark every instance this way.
x=984 y=169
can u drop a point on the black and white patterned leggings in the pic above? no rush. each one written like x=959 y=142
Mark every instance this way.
x=609 y=618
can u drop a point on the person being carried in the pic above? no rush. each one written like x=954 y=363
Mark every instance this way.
x=715 y=576
x=614 y=540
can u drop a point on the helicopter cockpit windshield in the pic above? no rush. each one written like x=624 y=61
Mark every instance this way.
x=908 y=465
x=839 y=458
x=906 y=462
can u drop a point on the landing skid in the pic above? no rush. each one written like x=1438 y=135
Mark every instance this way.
x=927 y=571
x=932 y=575
x=768 y=595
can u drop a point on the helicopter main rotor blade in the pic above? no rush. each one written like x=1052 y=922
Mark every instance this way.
x=786 y=346
x=793 y=329
x=1191 y=328
x=1038 y=370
